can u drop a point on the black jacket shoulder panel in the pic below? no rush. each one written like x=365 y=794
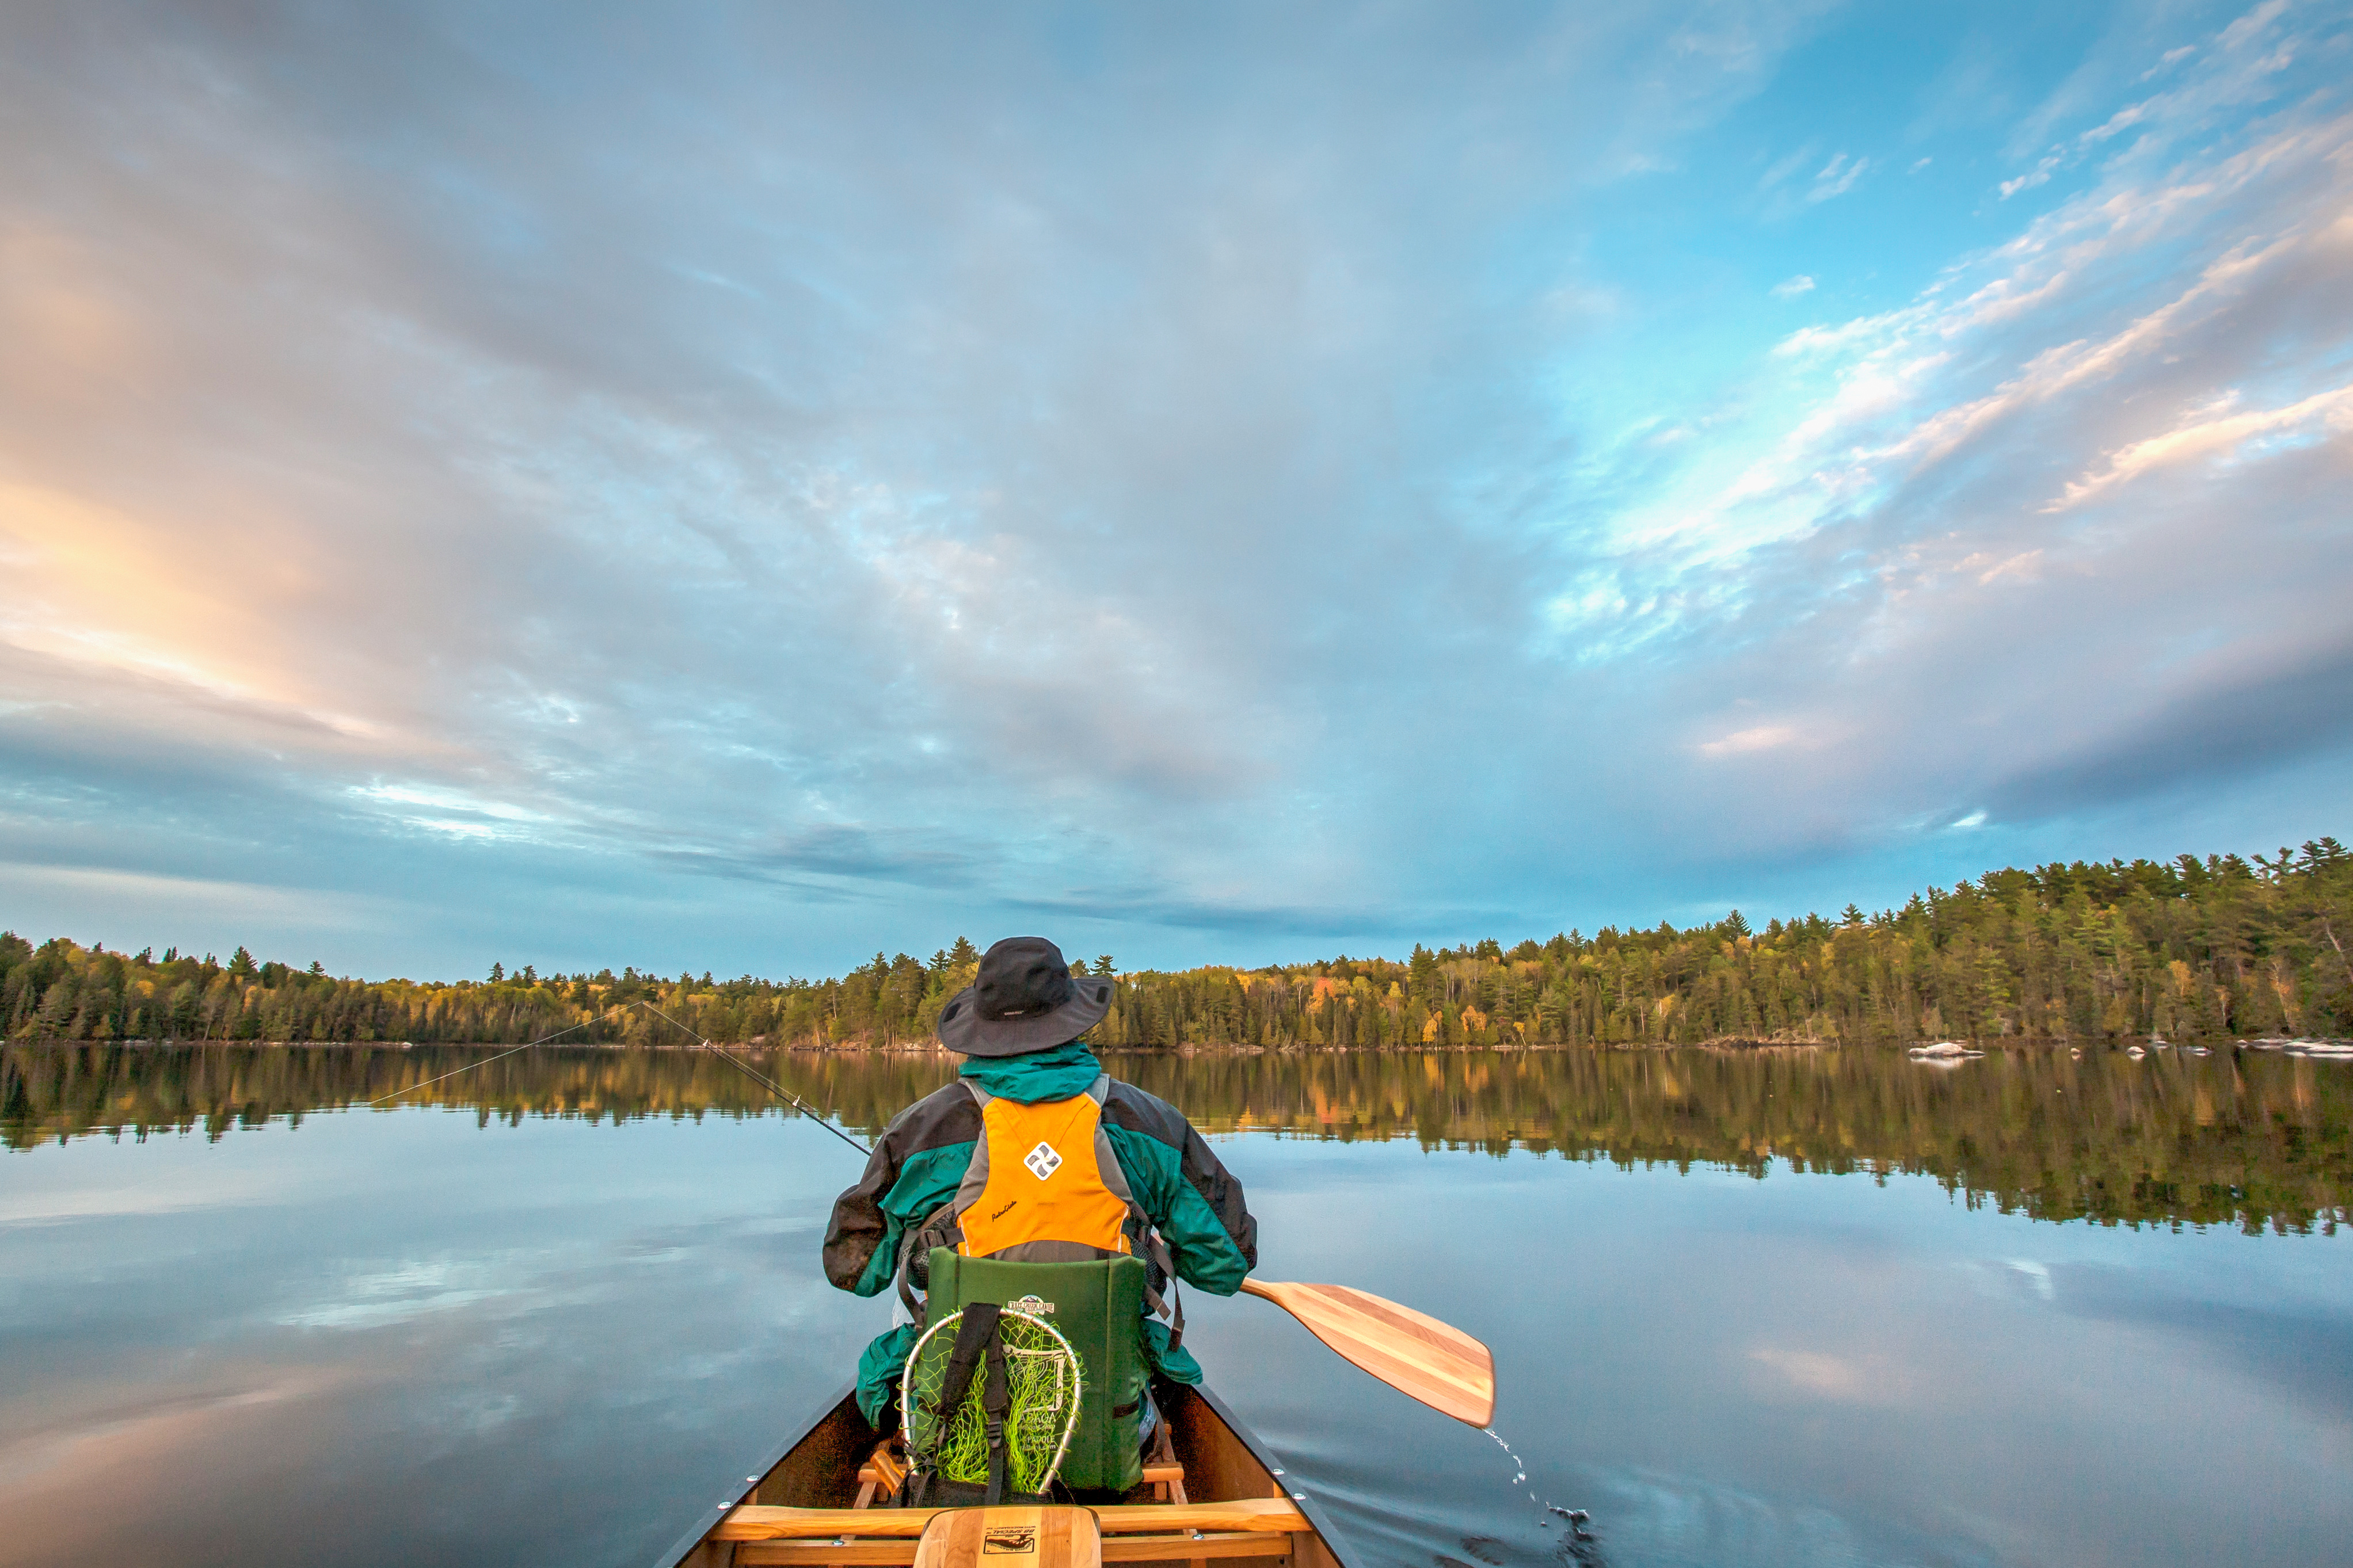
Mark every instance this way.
x=1140 y=1111
x=948 y=1115
x=1131 y=1108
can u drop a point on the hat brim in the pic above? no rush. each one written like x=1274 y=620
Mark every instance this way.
x=964 y=1031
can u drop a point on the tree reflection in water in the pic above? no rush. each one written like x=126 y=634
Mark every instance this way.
x=2242 y=1137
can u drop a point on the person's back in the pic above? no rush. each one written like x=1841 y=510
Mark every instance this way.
x=1034 y=1156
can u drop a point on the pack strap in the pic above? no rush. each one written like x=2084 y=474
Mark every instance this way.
x=979 y=1348
x=1157 y=1248
x=937 y=1229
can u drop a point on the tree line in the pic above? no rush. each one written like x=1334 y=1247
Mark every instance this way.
x=2185 y=950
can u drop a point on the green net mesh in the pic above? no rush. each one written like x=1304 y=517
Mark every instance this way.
x=1044 y=1375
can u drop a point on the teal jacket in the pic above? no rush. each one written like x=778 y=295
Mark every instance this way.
x=918 y=1161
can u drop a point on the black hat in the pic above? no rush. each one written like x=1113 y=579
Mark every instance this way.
x=1027 y=1000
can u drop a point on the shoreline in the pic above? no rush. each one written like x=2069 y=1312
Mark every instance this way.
x=931 y=1048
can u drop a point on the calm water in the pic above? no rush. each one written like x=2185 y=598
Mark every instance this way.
x=1801 y=1308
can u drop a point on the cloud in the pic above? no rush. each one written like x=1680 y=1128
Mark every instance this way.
x=1846 y=1379
x=1760 y=738
x=2212 y=433
x=2038 y=174
x=2231 y=721
x=802 y=480
x=1890 y=539
x=2246 y=59
x=83 y=889
x=1837 y=177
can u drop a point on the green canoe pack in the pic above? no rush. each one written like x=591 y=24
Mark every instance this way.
x=1099 y=1308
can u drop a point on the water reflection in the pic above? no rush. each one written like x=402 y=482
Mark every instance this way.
x=2248 y=1138
x=536 y=1319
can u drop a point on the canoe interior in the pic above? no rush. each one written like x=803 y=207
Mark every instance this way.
x=1222 y=1462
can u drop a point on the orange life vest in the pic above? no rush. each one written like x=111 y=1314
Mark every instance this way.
x=1044 y=1184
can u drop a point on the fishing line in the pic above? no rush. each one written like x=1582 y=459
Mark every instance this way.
x=804 y=1106
x=486 y=1061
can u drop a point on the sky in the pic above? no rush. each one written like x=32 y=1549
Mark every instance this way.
x=745 y=487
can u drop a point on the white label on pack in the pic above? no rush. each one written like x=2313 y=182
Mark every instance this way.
x=1043 y=1160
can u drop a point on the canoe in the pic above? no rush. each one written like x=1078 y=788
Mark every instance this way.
x=1211 y=1490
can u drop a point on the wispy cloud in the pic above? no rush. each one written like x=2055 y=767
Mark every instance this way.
x=2214 y=433
x=1837 y=177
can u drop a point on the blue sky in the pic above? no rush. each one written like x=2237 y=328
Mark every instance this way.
x=749 y=488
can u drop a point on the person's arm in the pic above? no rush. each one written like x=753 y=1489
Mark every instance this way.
x=860 y=1231
x=1190 y=1197
x=915 y=1167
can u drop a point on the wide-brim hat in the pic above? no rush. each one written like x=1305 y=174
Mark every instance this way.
x=1024 y=999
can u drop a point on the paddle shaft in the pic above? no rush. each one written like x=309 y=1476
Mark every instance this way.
x=1413 y=1352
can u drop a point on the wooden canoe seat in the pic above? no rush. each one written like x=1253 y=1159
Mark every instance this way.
x=886 y=1468
x=880 y=1476
x=884 y=1538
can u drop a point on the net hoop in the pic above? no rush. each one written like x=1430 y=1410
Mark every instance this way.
x=1068 y=1358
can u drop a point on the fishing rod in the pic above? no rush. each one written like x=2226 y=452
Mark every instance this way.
x=486 y=1061
x=804 y=1106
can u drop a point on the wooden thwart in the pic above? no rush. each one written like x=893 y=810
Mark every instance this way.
x=753 y=1522
x=900 y=1553
x=1416 y=1354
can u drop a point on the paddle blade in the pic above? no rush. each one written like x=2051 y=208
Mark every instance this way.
x=1435 y=1363
x=1009 y=1538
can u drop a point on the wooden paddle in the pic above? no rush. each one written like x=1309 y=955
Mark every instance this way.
x=1435 y=1363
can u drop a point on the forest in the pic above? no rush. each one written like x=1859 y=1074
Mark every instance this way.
x=2186 y=950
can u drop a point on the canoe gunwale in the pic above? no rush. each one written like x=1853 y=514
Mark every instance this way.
x=708 y=1520
x=1303 y=1501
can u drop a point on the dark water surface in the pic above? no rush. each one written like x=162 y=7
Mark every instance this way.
x=1768 y=1308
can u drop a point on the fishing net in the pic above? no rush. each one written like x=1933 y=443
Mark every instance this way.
x=1043 y=1374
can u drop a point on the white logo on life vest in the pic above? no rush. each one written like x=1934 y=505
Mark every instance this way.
x=1043 y=1160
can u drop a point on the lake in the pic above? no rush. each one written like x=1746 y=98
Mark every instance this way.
x=1747 y=1308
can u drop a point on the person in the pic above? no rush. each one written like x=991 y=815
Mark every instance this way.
x=1035 y=1155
